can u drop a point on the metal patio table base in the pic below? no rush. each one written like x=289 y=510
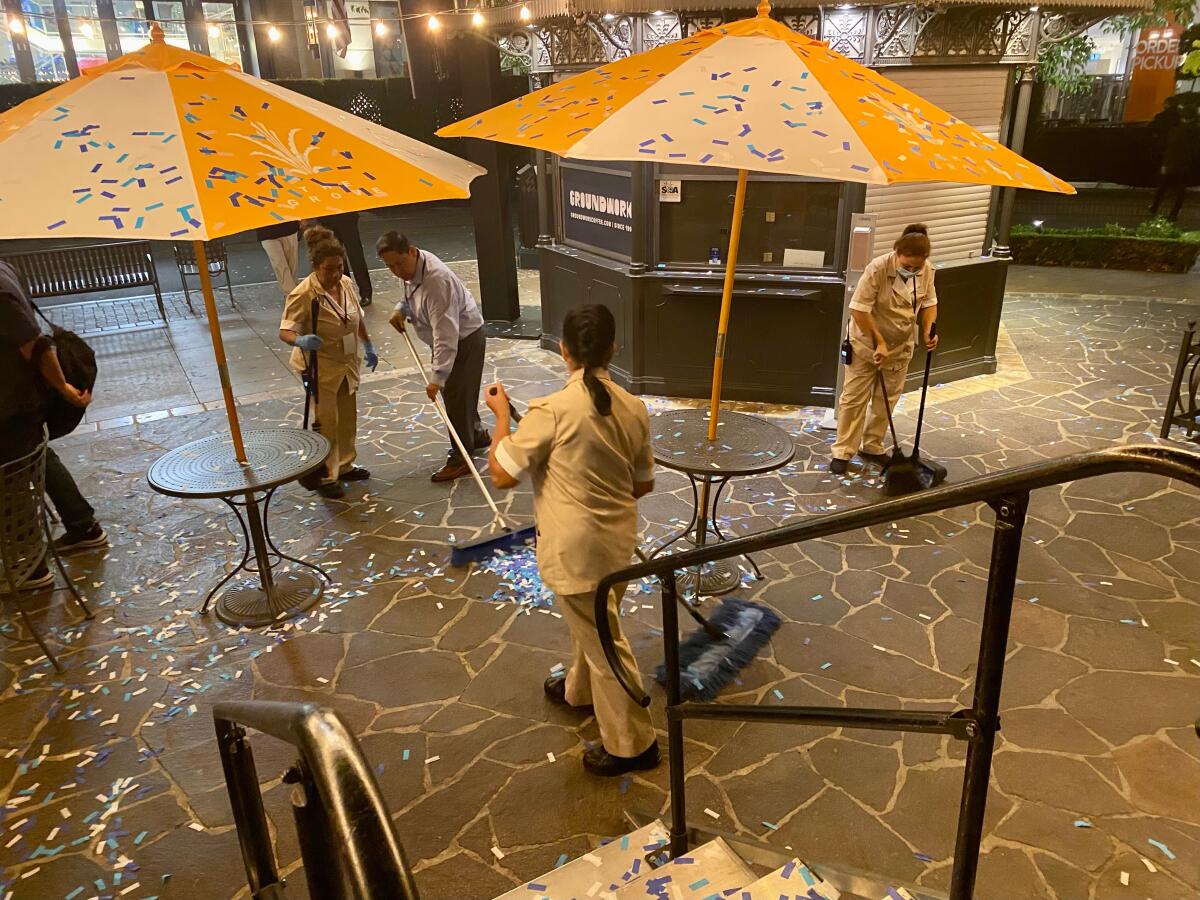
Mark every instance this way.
x=207 y=469
x=745 y=445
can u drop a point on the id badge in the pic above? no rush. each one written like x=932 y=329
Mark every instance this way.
x=349 y=343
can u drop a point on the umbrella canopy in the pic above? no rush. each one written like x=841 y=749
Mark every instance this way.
x=168 y=144
x=754 y=96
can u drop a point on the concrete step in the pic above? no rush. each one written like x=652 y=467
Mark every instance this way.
x=597 y=874
x=793 y=881
x=709 y=872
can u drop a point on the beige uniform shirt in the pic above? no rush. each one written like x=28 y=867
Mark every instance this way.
x=337 y=326
x=889 y=298
x=583 y=466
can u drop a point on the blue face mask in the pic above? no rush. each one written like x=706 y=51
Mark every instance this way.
x=905 y=272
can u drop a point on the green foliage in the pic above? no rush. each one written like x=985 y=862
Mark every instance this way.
x=1153 y=246
x=1156 y=15
x=1063 y=64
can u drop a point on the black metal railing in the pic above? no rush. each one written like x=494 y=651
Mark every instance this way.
x=347 y=842
x=1008 y=495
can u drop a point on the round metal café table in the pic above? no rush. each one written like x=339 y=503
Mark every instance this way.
x=745 y=445
x=207 y=470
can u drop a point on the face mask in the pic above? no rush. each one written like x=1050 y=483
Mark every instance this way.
x=905 y=272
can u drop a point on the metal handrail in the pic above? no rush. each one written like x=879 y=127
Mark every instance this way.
x=347 y=841
x=1160 y=459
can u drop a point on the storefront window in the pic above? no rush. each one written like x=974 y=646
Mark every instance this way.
x=86 y=35
x=170 y=18
x=786 y=224
x=131 y=24
x=221 y=22
x=9 y=73
x=41 y=28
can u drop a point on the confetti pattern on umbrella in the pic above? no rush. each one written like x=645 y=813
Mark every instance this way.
x=755 y=95
x=168 y=144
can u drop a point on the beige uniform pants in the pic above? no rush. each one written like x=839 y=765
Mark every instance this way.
x=337 y=420
x=861 y=415
x=625 y=727
x=282 y=252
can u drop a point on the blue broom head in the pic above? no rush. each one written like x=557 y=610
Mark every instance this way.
x=706 y=666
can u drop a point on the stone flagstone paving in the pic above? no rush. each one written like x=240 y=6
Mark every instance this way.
x=113 y=784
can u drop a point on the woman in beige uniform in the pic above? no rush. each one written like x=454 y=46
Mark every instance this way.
x=335 y=338
x=587 y=450
x=892 y=292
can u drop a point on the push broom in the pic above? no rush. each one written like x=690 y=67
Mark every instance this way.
x=507 y=533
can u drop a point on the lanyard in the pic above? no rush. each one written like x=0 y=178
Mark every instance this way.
x=409 y=294
x=343 y=314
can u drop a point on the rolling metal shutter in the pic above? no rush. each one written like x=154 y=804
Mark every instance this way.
x=957 y=214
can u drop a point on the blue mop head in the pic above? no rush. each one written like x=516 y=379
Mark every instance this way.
x=707 y=666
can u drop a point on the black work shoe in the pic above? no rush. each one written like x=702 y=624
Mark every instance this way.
x=600 y=762
x=82 y=540
x=41 y=579
x=877 y=459
x=556 y=689
x=331 y=490
x=838 y=466
x=364 y=302
x=484 y=442
x=358 y=473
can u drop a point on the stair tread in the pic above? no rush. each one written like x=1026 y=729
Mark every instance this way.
x=793 y=880
x=710 y=871
x=597 y=873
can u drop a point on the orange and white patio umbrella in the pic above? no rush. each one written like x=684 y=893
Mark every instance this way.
x=166 y=144
x=754 y=95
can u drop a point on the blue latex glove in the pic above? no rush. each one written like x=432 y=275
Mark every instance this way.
x=308 y=342
x=370 y=357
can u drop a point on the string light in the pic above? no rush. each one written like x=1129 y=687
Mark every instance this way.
x=16 y=26
x=525 y=15
x=214 y=31
x=87 y=30
x=381 y=29
x=331 y=31
x=478 y=20
x=273 y=34
x=434 y=23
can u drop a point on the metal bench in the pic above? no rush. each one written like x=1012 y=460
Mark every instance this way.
x=88 y=269
x=1183 y=400
x=218 y=264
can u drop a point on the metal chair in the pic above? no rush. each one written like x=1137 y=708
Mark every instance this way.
x=25 y=538
x=218 y=264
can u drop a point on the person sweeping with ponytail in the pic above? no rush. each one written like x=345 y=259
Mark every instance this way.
x=587 y=451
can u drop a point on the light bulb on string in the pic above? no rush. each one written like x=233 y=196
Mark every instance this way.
x=16 y=26
x=214 y=30
x=525 y=15
x=331 y=31
x=381 y=29
x=273 y=34
x=434 y=23
x=478 y=20
x=87 y=30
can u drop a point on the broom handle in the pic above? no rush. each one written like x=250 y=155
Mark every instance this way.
x=454 y=435
x=887 y=405
x=924 y=391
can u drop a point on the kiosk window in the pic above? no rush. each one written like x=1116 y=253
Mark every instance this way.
x=787 y=224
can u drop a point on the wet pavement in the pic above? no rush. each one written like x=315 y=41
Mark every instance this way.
x=112 y=781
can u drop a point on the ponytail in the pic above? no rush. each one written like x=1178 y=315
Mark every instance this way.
x=589 y=333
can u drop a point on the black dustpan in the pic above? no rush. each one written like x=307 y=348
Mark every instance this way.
x=909 y=474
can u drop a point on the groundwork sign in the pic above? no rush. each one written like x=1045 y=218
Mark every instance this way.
x=597 y=210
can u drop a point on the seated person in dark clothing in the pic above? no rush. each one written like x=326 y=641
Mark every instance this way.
x=29 y=370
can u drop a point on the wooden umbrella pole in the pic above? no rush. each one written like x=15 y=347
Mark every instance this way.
x=214 y=330
x=735 y=236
